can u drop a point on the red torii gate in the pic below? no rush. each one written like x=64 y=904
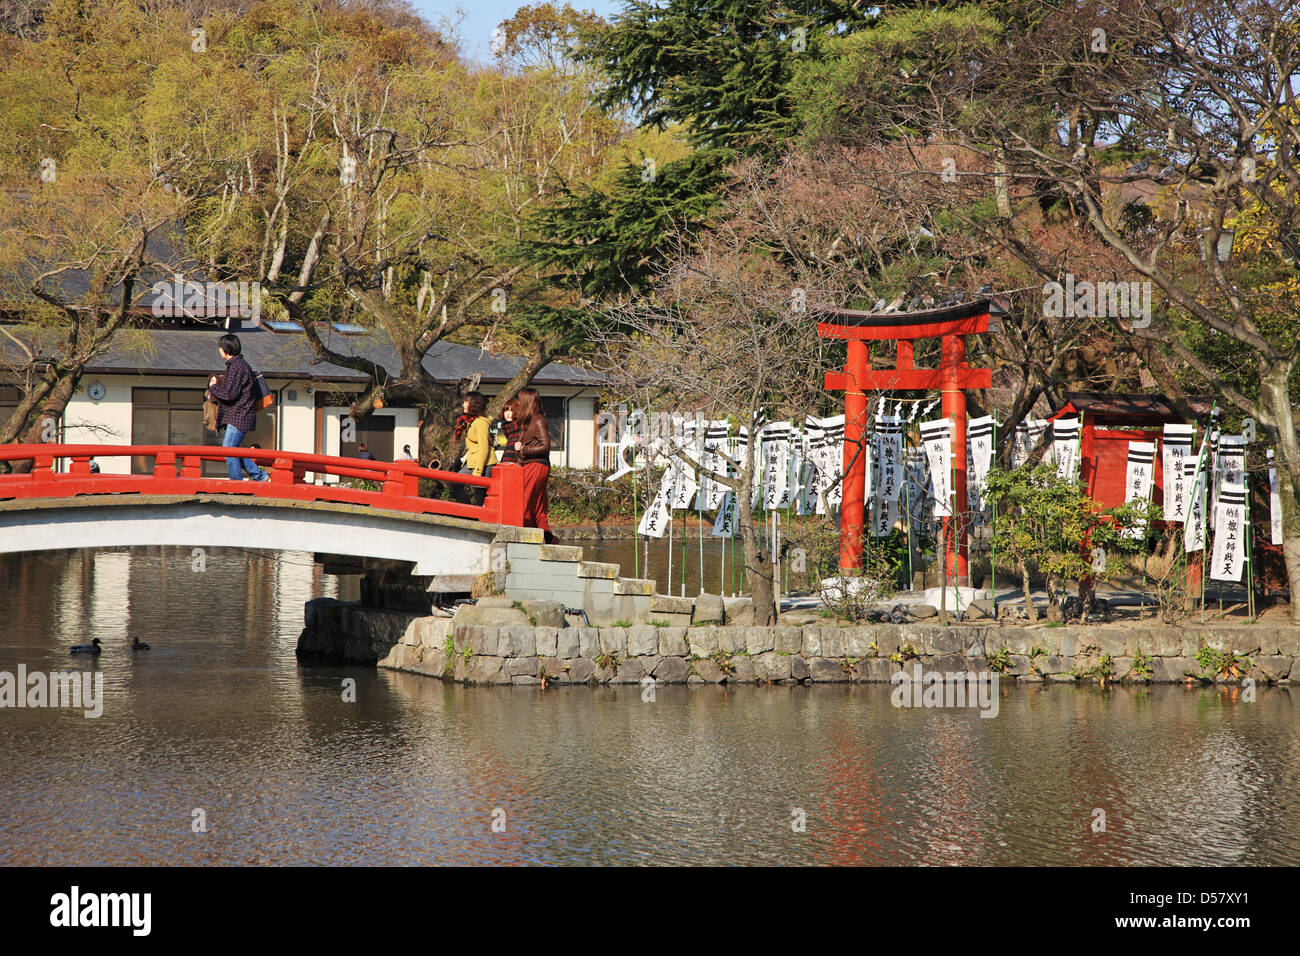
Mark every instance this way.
x=951 y=324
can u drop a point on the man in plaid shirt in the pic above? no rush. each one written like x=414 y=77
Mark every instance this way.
x=237 y=398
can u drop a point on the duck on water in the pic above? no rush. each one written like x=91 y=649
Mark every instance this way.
x=91 y=648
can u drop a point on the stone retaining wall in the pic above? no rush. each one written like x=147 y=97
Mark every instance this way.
x=522 y=653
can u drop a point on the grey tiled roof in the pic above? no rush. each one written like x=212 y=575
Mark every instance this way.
x=288 y=355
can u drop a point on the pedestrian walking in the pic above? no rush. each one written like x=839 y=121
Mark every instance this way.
x=237 y=397
x=534 y=451
x=472 y=425
x=406 y=454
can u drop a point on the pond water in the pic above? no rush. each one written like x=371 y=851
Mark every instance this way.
x=218 y=722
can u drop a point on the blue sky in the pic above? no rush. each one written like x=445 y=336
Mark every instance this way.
x=478 y=18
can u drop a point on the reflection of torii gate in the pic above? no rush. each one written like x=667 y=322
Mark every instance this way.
x=953 y=374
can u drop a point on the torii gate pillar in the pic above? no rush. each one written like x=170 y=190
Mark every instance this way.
x=951 y=377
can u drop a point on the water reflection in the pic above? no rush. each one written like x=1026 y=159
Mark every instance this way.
x=219 y=716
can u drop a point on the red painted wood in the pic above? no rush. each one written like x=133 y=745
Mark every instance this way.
x=399 y=480
x=919 y=378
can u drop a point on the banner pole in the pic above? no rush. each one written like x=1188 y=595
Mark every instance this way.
x=993 y=536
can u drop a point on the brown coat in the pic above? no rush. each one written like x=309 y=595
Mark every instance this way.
x=536 y=438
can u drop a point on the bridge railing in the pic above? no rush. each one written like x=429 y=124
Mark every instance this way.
x=178 y=470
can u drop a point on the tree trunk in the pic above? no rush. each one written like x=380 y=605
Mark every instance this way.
x=1276 y=400
x=760 y=570
x=1030 y=613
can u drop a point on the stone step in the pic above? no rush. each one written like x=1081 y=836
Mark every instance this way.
x=668 y=604
x=598 y=569
x=634 y=586
x=559 y=552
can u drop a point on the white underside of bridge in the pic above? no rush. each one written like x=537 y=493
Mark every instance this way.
x=436 y=546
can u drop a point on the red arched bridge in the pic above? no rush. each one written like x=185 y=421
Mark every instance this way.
x=61 y=503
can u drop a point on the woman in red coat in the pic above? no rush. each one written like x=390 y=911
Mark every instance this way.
x=534 y=451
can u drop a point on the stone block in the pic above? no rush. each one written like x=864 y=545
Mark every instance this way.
x=667 y=604
x=642 y=640
x=554 y=668
x=547 y=641
x=704 y=641
x=545 y=613
x=524 y=679
x=1288 y=641
x=672 y=641
x=1067 y=645
x=798 y=668
x=759 y=640
x=517 y=641
x=858 y=640
x=832 y=641
x=1172 y=670
x=589 y=642
x=812 y=642
x=581 y=670
x=878 y=670
x=707 y=671
x=491 y=614
x=826 y=670
x=480 y=640
x=481 y=670
x=708 y=609
x=1051 y=664
x=740 y=612
x=1112 y=642
x=942 y=641
x=671 y=670
x=613 y=640
x=772 y=666
x=516 y=666
x=973 y=641
x=788 y=639
x=743 y=670
x=632 y=670
x=567 y=642
x=922 y=612
x=1274 y=667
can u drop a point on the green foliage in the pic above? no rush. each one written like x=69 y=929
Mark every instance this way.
x=1142 y=667
x=1044 y=520
x=580 y=496
x=1225 y=664
x=1001 y=661
x=721 y=68
x=1101 y=672
x=621 y=624
x=608 y=662
x=723 y=662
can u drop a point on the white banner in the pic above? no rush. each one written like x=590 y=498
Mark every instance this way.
x=655 y=520
x=979 y=459
x=1274 y=503
x=725 y=525
x=936 y=438
x=1065 y=444
x=1230 y=534
x=684 y=486
x=1194 y=529
x=776 y=465
x=1028 y=435
x=889 y=435
x=715 y=446
x=1175 y=445
x=1139 y=479
x=883 y=517
x=1214 y=475
x=625 y=455
x=829 y=459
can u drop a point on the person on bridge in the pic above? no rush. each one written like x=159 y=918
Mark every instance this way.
x=508 y=433
x=534 y=451
x=237 y=397
x=472 y=425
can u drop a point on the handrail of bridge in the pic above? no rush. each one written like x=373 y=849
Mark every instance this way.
x=177 y=470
